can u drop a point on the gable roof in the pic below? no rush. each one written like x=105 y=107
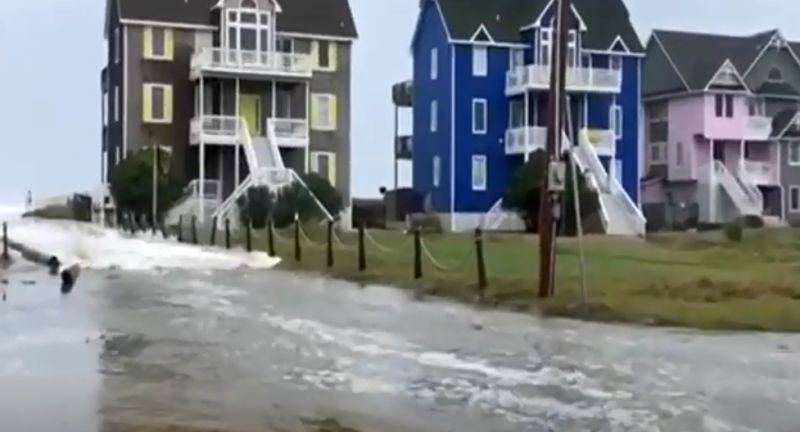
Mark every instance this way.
x=781 y=122
x=605 y=20
x=320 y=17
x=698 y=56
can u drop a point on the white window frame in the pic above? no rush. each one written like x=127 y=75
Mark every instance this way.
x=480 y=60
x=615 y=116
x=572 y=48
x=117 y=45
x=314 y=162
x=780 y=78
x=434 y=64
x=793 y=189
x=116 y=104
x=105 y=109
x=662 y=153
x=545 y=42
x=476 y=103
x=479 y=162
x=437 y=171
x=238 y=25
x=434 y=115
x=793 y=158
x=516 y=58
x=320 y=123
x=151 y=87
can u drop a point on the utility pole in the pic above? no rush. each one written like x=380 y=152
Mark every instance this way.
x=549 y=200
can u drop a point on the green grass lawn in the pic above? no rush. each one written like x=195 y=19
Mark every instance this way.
x=687 y=279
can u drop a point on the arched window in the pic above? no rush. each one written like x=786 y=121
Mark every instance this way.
x=775 y=75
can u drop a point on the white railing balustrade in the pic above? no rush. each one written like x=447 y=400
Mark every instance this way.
x=760 y=172
x=525 y=139
x=290 y=128
x=256 y=61
x=759 y=127
x=577 y=79
x=602 y=140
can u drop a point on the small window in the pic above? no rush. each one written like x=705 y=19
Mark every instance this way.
x=480 y=61
x=719 y=101
x=434 y=63
x=117 y=45
x=324 y=164
x=794 y=152
x=105 y=109
x=775 y=75
x=157 y=103
x=616 y=120
x=478 y=172
x=794 y=199
x=729 y=106
x=679 y=153
x=545 y=45
x=323 y=112
x=616 y=63
x=479 y=116
x=116 y=103
x=324 y=55
x=755 y=107
x=157 y=43
x=285 y=45
x=248 y=18
x=434 y=115
x=517 y=57
x=437 y=170
x=658 y=153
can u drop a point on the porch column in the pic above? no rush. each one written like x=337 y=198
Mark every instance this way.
x=525 y=122
x=274 y=101
x=308 y=128
x=712 y=185
x=238 y=146
x=202 y=161
x=741 y=157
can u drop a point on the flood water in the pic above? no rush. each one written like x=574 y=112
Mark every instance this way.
x=257 y=349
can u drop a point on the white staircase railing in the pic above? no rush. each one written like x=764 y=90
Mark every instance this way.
x=746 y=197
x=619 y=213
x=495 y=215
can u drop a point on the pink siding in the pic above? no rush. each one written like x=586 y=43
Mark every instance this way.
x=686 y=119
x=733 y=128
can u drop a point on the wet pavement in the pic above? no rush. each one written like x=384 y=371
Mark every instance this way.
x=262 y=350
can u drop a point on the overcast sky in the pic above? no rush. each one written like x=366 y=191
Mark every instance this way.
x=51 y=54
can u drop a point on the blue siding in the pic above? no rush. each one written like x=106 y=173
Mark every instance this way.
x=116 y=78
x=491 y=88
x=628 y=146
x=427 y=144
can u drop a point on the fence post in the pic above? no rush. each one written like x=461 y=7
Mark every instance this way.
x=270 y=238
x=180 y=229
x=227 y=233
x=249 y=237
x=194 y=229
x=362 y=256
x=330 y=244
x=482 y=282
x=298 y=254
x=417 y=255
x=213 y=232
x=5 y=241
x=163 y=228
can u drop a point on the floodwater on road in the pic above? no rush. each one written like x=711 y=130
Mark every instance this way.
x=255 y=349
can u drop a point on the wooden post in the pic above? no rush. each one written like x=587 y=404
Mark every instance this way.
x=270 y=239
x=298 y=253
x=482 y=282
x=330 y=244
x=180 y=229
x=163 y=228
x=362 y=253
x=213 y=241
x=194 y=229
x=417 y=255
x=5 y=241
x=227 y=233
x=248 y=237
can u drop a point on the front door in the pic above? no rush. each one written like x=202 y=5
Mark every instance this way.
x=250 y=107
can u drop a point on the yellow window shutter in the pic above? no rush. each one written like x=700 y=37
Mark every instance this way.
x=334 y=114
x=147 y=42
x=169 y=44
x=314 y=107
x=332 y=53
x=314 y=56
x=332 y=168
x=147 y=103
x=168 y=103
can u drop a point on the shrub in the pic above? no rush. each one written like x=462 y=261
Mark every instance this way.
x=523 y=195
x=296 y=199
x=256 y=206
x=132 y=186
x=734 y=230
x=427 y=223
x=753 y=221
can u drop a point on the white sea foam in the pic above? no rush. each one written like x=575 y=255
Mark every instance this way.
x=100 y=248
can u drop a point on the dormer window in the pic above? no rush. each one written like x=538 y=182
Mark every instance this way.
x=775 y=76
x=249 y=28
x=545 y=46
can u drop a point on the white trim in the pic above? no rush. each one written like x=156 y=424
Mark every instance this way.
x=793 y=209
x=614 y=42
x=452 y=135
x=654 y=37
x=479 y=161
x=437 y=171
x=117 y=45
x=789 y=160
x=125 y=92
x=794 y=120
x=728 y=63
x=434 y=63
x=488 y=44
x=485 y=103
x=615 y=115
x=761 y=53
x=434 y=120
x=419 y=21
x=619 y=53
x=478 y=31
x=149 y=23
x=480 y=52
x=538 y=22
x=116 y=104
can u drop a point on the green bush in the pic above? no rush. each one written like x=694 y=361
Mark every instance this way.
x=256 y=206
x=296 y=199
x=753 y=221
x=523 y=195
x=132 y=186
x=734 y=230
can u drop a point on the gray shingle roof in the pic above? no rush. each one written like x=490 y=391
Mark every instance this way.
x=604 y=19
x=323 y=17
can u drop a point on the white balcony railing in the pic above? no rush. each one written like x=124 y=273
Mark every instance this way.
x=290 y=132
x=523 y=140
x=758 y=128
x=759 y=172
x=602 y=140
x=263 y=62
x=577 y=79
x=225 y=129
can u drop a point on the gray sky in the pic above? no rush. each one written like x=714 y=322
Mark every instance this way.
x=51 y=52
